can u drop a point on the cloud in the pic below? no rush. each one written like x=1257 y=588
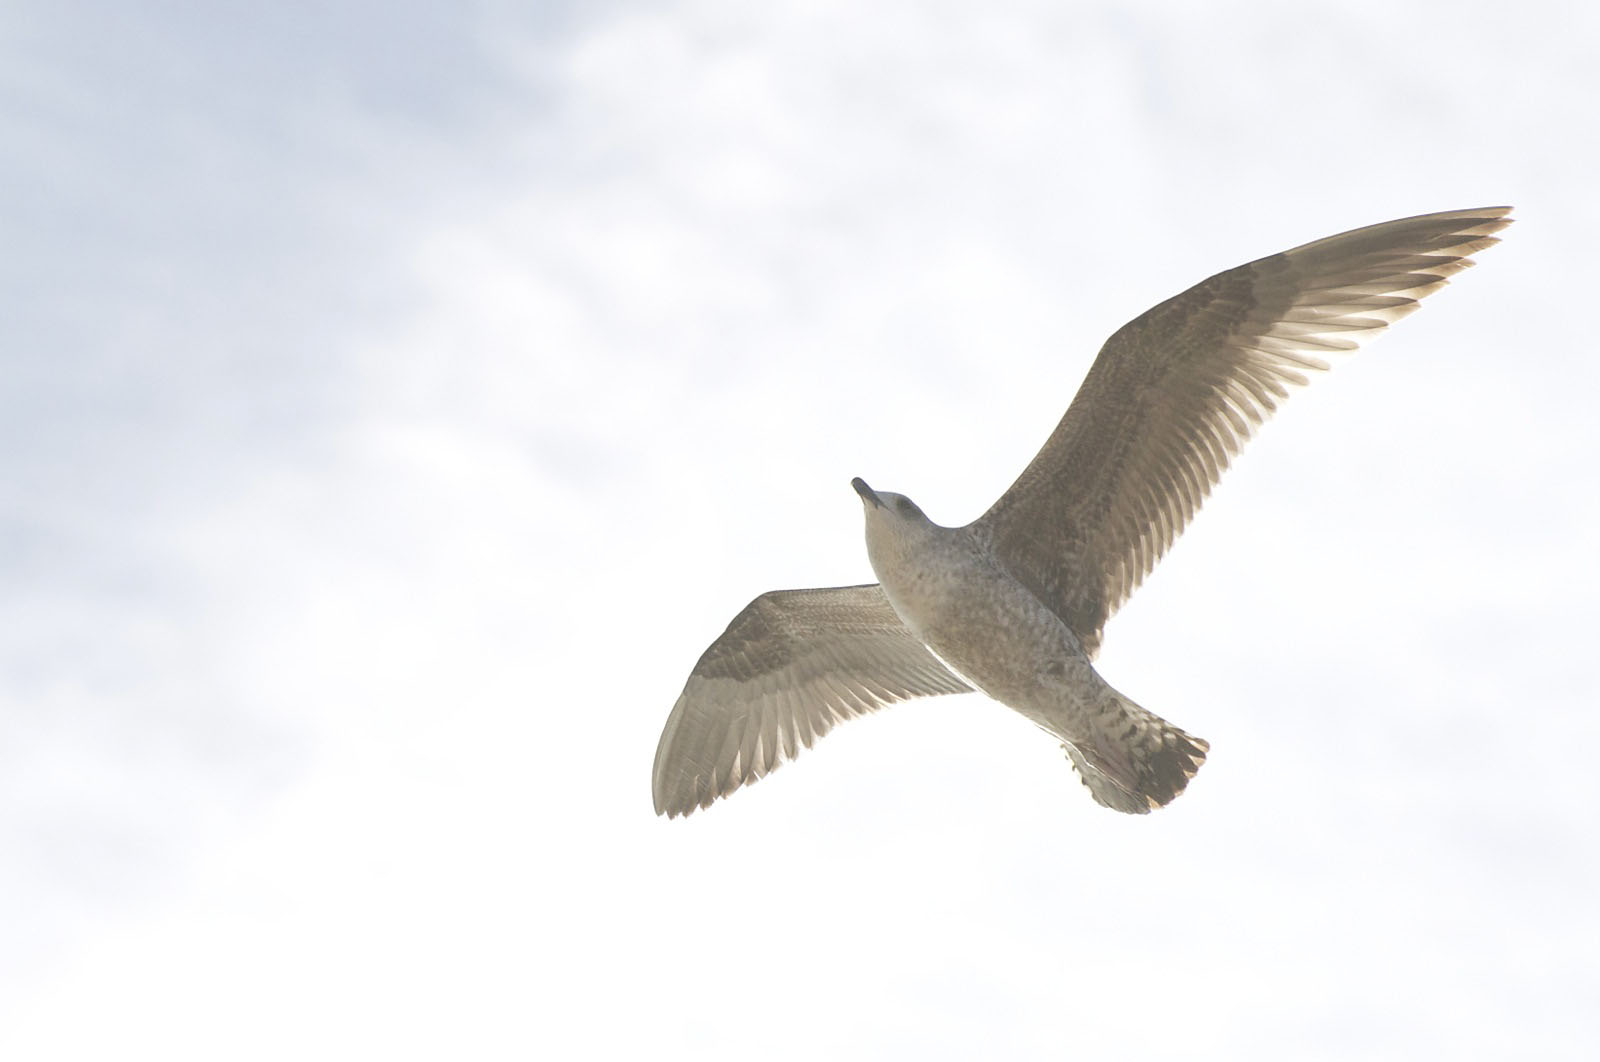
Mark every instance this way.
x=404 y=400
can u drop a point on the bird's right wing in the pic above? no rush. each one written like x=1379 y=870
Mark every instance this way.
x=789 y=667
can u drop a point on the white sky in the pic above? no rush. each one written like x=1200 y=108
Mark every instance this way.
x=399 y=397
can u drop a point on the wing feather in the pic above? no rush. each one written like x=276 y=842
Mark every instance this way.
x=789 y=667
x=1174 y=395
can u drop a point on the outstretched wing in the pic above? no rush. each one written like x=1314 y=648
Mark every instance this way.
x=789 y=667
x=1175 y=393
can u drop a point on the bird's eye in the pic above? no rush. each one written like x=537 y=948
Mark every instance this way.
x=905 y=506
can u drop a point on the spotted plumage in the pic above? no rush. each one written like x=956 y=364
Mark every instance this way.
x=1014 y=603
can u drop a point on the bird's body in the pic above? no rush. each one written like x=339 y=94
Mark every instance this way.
x=959 y=602
x=953 y=592
x=1014 y=603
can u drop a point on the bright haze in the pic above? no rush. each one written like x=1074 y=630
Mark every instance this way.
x=398 y=398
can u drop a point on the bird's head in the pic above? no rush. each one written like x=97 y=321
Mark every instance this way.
x=894 y=523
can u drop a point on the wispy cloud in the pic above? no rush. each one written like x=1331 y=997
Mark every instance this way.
x=398 y=401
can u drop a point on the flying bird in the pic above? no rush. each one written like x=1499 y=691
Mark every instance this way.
x=1014 y=603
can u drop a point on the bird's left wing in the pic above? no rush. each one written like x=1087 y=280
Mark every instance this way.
x=1176 y=392
x=789 y=667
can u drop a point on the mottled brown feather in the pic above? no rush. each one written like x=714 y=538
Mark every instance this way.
x=789 y=668
x=1175 y=393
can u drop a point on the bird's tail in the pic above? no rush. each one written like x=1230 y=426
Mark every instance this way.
x=1133 y=760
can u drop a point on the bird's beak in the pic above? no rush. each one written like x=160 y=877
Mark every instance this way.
x=866 y=492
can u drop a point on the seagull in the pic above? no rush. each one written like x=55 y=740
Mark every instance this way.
x=1014 y=603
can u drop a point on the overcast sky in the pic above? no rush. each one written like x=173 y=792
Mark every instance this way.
x=399 y=397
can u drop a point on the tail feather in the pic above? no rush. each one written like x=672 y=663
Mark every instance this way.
x=1134 y=761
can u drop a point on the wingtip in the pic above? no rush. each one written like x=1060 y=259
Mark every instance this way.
x=668 y=808
x=1489 y=220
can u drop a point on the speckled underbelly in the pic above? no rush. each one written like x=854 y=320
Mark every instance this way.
x=994 y=633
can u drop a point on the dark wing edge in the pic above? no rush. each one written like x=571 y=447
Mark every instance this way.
x=1175 y=393
x=790 y=667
